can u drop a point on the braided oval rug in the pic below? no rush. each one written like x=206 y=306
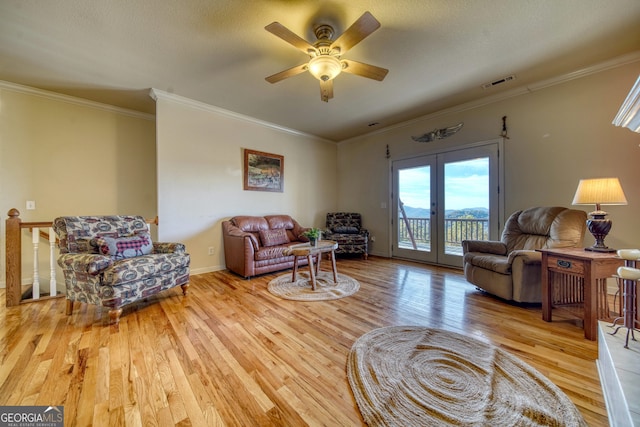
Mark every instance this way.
x=326 y=289
x=417 y=376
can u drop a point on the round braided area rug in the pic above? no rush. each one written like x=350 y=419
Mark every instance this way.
x=326 y=289
x=416 y=376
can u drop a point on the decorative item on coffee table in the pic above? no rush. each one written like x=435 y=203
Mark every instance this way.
x=313 y=234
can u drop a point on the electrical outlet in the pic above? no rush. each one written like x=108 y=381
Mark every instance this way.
x=210 y=250
x=373 y=238
x=31 y=205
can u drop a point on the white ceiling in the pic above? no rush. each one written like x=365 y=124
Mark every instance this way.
x=438 y=52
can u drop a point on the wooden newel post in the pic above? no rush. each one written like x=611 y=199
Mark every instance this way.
x=13 y=258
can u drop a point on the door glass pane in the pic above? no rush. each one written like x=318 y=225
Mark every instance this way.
x=466 y=199
x=414 y=208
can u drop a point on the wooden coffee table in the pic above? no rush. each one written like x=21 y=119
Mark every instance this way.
x=308 y=251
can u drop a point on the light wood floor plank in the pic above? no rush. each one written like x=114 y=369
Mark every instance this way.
x=232 y=354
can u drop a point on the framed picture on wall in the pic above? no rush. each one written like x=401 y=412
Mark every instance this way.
x=263 y=171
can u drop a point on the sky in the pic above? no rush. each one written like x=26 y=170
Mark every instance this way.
x=466 y=185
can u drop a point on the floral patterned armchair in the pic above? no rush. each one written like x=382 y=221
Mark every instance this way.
x=111 y=261
x=346 y=229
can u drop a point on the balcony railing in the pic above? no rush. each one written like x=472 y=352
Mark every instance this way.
x=456 y=230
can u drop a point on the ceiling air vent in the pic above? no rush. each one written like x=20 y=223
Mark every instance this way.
x=499 y=81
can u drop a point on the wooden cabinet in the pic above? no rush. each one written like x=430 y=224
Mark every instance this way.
x=574 y=276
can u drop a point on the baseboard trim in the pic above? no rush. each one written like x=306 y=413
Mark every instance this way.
x=203 y=270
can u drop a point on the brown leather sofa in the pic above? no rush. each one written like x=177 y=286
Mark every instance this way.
x=254 y=244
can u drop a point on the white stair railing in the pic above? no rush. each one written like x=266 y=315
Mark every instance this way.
x=14 y=228
x=53 y=290
x=35 y=240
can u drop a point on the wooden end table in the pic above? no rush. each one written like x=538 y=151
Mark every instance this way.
x=308 y=251
x=575 y=275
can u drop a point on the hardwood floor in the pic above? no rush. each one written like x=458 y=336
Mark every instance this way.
x=232 y=354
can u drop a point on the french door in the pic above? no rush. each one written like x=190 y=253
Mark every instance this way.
x=443 y=198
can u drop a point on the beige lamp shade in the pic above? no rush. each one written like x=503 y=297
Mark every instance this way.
x=599 y=191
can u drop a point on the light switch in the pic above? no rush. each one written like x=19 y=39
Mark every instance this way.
x=31 y=205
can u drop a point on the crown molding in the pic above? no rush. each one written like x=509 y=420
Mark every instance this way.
x=157 y=94
x=15 y=87
x=619 y=61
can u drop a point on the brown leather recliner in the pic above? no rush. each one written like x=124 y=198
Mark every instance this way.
x=510 y=268
x=254 y=244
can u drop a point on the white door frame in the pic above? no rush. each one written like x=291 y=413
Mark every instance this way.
x=497 y=220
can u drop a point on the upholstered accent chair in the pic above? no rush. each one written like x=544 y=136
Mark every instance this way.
x=111 y=261
x=511 y=268
x=346 y=229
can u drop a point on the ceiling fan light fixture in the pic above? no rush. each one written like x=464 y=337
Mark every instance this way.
x=325 y=53
x=325 y=67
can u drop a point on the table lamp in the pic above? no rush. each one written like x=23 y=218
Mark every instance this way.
x=599 y=191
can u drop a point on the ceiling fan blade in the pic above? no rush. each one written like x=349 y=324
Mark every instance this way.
x=293 y=71
x=364 y=70
x=326 y=90
x=360 y=29
x=290 y=37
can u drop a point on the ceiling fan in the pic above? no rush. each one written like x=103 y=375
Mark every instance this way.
x=325 y=61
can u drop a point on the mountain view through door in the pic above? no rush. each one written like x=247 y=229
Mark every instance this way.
x=466 y=201
x=442 y=200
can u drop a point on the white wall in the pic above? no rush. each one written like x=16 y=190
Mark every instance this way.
x=200 y=163
x=72 y=157
x=558 y=134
